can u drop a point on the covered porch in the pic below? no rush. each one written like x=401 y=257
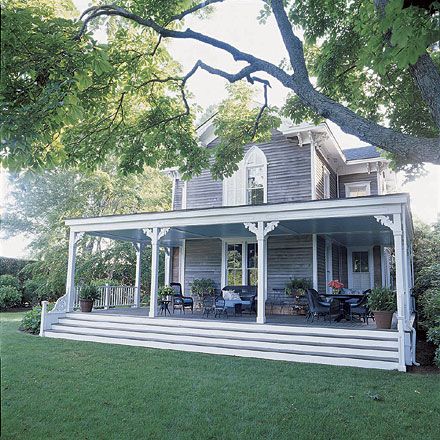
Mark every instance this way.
x=361 y=223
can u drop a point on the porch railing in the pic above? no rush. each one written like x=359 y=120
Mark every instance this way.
x=110 y=296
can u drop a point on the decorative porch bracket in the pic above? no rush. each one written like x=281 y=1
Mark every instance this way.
x=395 y=224
x=155 y=235
x=261 y=230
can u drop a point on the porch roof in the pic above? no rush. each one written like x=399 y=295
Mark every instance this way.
x=348 y=221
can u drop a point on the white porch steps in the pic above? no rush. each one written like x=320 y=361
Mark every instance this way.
x=335 y=346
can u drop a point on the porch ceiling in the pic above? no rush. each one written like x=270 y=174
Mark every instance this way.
x=349 y=231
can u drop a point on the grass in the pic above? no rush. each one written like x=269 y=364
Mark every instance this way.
x=55 y=389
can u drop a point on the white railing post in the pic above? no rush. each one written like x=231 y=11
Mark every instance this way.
x=43 y=317
x=167 y=267
x=106 y=296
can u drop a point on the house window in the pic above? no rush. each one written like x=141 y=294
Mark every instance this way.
x=252 y=264
x=241 y=264
x=234 y=264
x=248 y=185
x=326 y=183
x=360 y=262
x=357 y=189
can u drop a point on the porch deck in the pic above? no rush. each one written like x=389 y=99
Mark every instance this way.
x=273 y=319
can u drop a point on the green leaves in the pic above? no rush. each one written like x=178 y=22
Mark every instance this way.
x=235 y=125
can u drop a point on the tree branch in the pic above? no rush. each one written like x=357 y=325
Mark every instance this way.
x=195 y=8
x=415 y=149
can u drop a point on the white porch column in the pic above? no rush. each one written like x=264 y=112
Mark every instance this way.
x=155 y=235
x=400 y=287
x=261 y=231
x=396 y=226
x=137 y=292
x=315 y=261
x=167 y=266
x=74 y=237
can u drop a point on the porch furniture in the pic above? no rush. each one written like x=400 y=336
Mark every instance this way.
x=317 y=307
x=164 y=307
x=220 y=307
x=344 y=306
x=179 y=301
x=238 y=310
x=247 y=296
x=360 y=308
x=208 y=305
x=355 y=300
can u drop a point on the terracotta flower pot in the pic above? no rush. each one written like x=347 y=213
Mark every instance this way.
x=86 y=305
x=383 y=319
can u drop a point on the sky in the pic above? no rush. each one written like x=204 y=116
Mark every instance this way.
x=235 y=22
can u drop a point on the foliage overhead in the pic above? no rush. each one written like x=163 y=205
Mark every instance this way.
x=73 y=101
x=39 y=204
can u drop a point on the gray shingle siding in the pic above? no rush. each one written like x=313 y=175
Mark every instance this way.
x=359 y=177
x=321 y=264
x=288 y=176
x=178 y=191
x=288 y=257
x=203 y=259
x=320 y=165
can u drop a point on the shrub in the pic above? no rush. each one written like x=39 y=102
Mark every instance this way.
x=382 y=299
x=31 y=320
x=434 y=337
x=202 y=287
x=430 y=307
x=32 y=292
x=9 y=280
x=9 y=297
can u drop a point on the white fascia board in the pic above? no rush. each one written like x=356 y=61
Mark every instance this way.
x=329 y=208
x=372 y=159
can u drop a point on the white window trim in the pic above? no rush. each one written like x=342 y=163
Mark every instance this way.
x=244 y=242
x=362 y=183
x=326 y=178
x=184 y=193
x=243 y=170
x=350 y=251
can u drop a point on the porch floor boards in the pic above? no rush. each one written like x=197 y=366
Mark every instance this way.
x=291 y=320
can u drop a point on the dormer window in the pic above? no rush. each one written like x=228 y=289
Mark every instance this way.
x=357 y=189
x=256 y=176
x=248 y=185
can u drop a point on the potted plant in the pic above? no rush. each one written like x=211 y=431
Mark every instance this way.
x=297 y=286
x=202 y=287
x=382 y=302
x=165 y=293
x=336 y=286
x=87 y=295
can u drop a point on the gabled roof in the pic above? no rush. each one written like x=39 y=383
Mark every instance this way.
x=362 y=153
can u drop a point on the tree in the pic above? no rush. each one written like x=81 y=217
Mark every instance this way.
x=376 y=63
x=39 y=204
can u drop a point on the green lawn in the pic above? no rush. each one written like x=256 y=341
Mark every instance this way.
x=54 y=389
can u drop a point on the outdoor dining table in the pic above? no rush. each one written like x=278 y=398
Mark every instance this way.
x=343 y=298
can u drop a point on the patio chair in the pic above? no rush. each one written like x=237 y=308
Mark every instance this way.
x=220 y=307
x=355 y=300
x=208 y=305
x=360 y=308
x=179 y=301
x=317 y=307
